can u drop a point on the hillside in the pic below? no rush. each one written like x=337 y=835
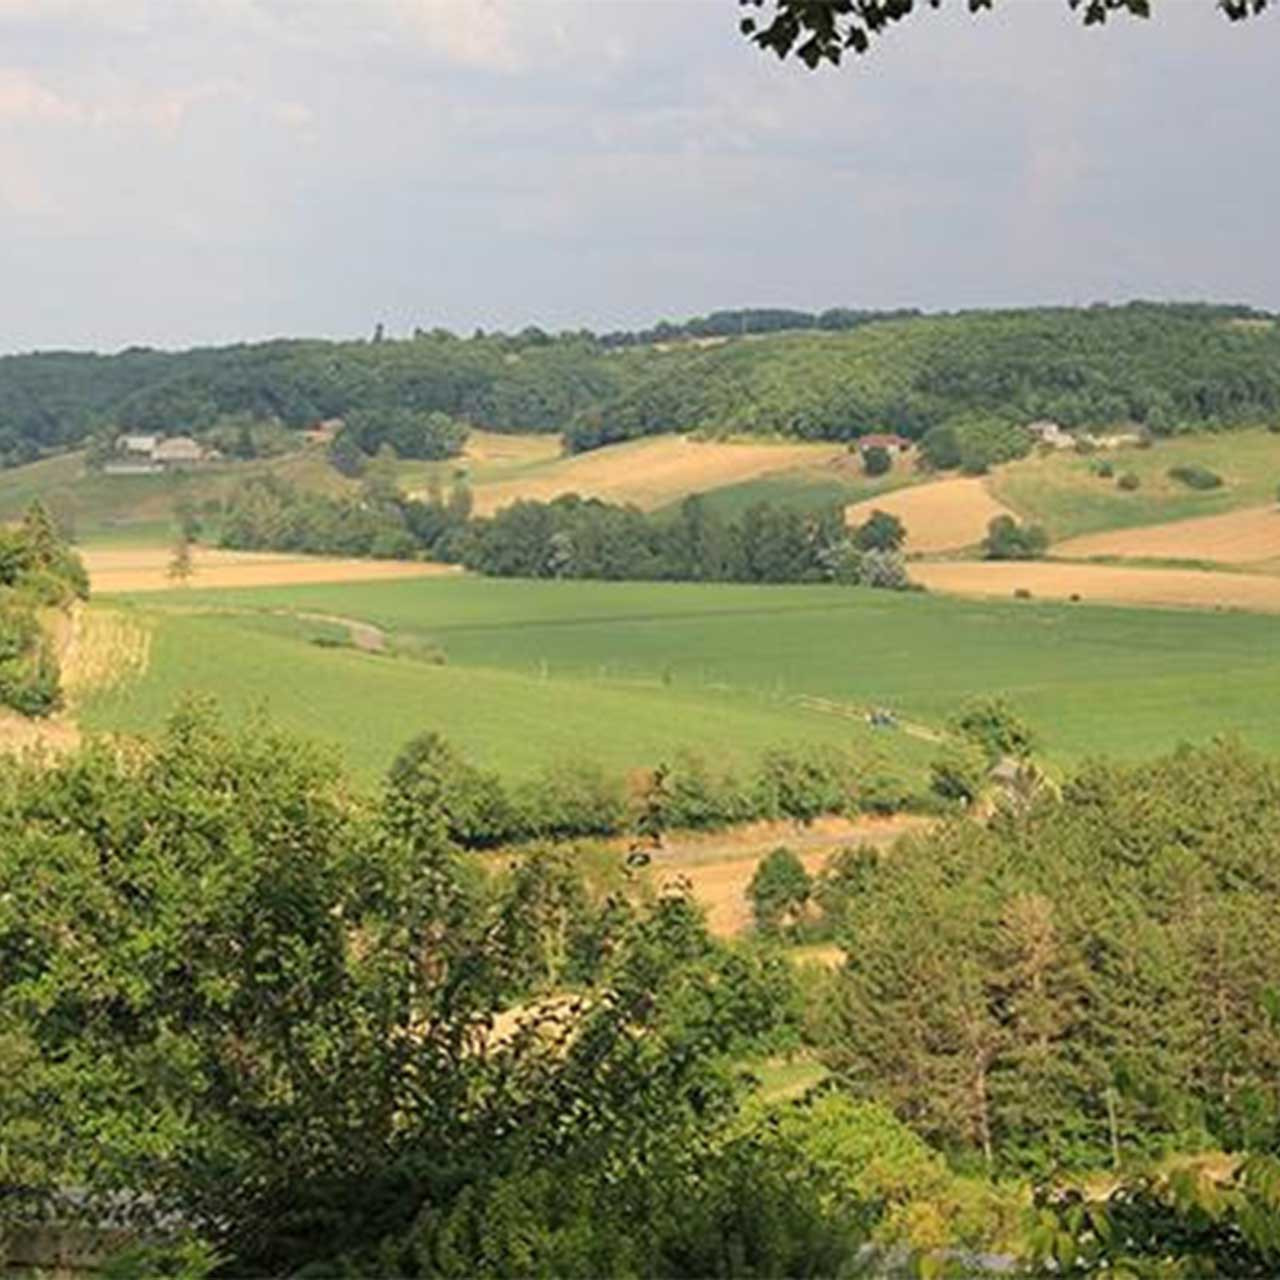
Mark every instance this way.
x=1162 y=365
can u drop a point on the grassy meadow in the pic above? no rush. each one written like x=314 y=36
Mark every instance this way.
x=628 y=673
x=1063 y=493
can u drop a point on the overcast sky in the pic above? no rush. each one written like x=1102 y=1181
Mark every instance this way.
x=182 y=171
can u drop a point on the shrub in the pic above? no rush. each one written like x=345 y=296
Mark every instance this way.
x=994 y=726
x=876 y=461
x=1008 y=540
x=1195 y=476
x=779 y=891
x=803 y=783
x=1104 y=469
x=959 y=773
x=881 y=531
x=1128 y=481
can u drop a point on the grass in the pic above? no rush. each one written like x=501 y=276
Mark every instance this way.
x=1063 y=494
x=783 y=1078
x=803 y=489
x=628 y=672
x=511 y=718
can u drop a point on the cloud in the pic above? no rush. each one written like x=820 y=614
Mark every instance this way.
x=24 y=98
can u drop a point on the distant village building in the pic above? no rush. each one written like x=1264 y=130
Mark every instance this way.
x=1049 y=433
x=894 y=446
x=138 y=455
x=323 y=431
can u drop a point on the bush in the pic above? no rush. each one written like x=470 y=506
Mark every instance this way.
x=779 y=891
x=1128 y=481
x=804 y=783
x=994 y=726
x=876 y=461
x=1195 y=476
x=1008 y=540
x=959 y=773
x=1105 y=470
x=880 y=531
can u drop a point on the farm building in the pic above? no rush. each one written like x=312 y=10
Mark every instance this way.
x=1049 y=433
x=893 y=445
x=147 y=455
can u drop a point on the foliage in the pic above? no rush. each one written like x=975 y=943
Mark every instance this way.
x=880 y=531
x=235 y=997
x=1182 y=1223
x=876 y=460
x=779 y=891
x=959 y=772
x=38 y=570
x=994 y=726
x=1008 y=540
x=1128 y=481
x=821 y=32
x=1085 y=979
x=1195 y=476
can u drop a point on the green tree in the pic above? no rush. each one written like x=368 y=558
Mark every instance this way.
x=779 y=891
x=876 y=460
x=994 y=726
x=1008 y=540
x=881 y=531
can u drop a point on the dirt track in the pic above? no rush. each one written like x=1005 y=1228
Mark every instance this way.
x=652 y=473
x=942 y=515
x=1098 y=583
x=1236 y=537
x=146 y=569
x=719 y=868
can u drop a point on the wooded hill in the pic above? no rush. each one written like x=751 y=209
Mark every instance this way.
x=831 y=376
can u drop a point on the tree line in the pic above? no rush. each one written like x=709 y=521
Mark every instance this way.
x=833 y=375
x=570 y=537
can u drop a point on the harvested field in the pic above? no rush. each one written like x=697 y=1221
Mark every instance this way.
x=146 y=569
x=719 y=867
x=1105 y=584
x=1235 y=537
x=651 y=472
x=943 y=515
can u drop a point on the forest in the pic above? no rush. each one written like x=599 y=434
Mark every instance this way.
x=570 y=537
x=834 y=375
x=357 y=1050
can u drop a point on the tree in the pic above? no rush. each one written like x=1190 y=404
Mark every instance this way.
x=1008 y=540
x=822 y=31
x=881 y=531
x=779 y=891
x=180 y=566
x=994 y=726
x=876 y=460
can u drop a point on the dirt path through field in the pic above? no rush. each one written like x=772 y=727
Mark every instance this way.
x=943 y=515
x=1235 y=537
x=364 y=635
x=719 y=867
x=1103 y=584
x=118 y=569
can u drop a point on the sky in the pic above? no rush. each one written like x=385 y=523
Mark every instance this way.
x=178 y=172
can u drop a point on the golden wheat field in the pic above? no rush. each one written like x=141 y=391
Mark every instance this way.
x=652 y=472
x=1102 y=583
x=1234 y=537
x=119 y=569
x=943 y=515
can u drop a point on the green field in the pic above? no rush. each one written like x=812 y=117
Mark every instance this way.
x=803 y=489
x=628 y=672
x=1062 y=492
